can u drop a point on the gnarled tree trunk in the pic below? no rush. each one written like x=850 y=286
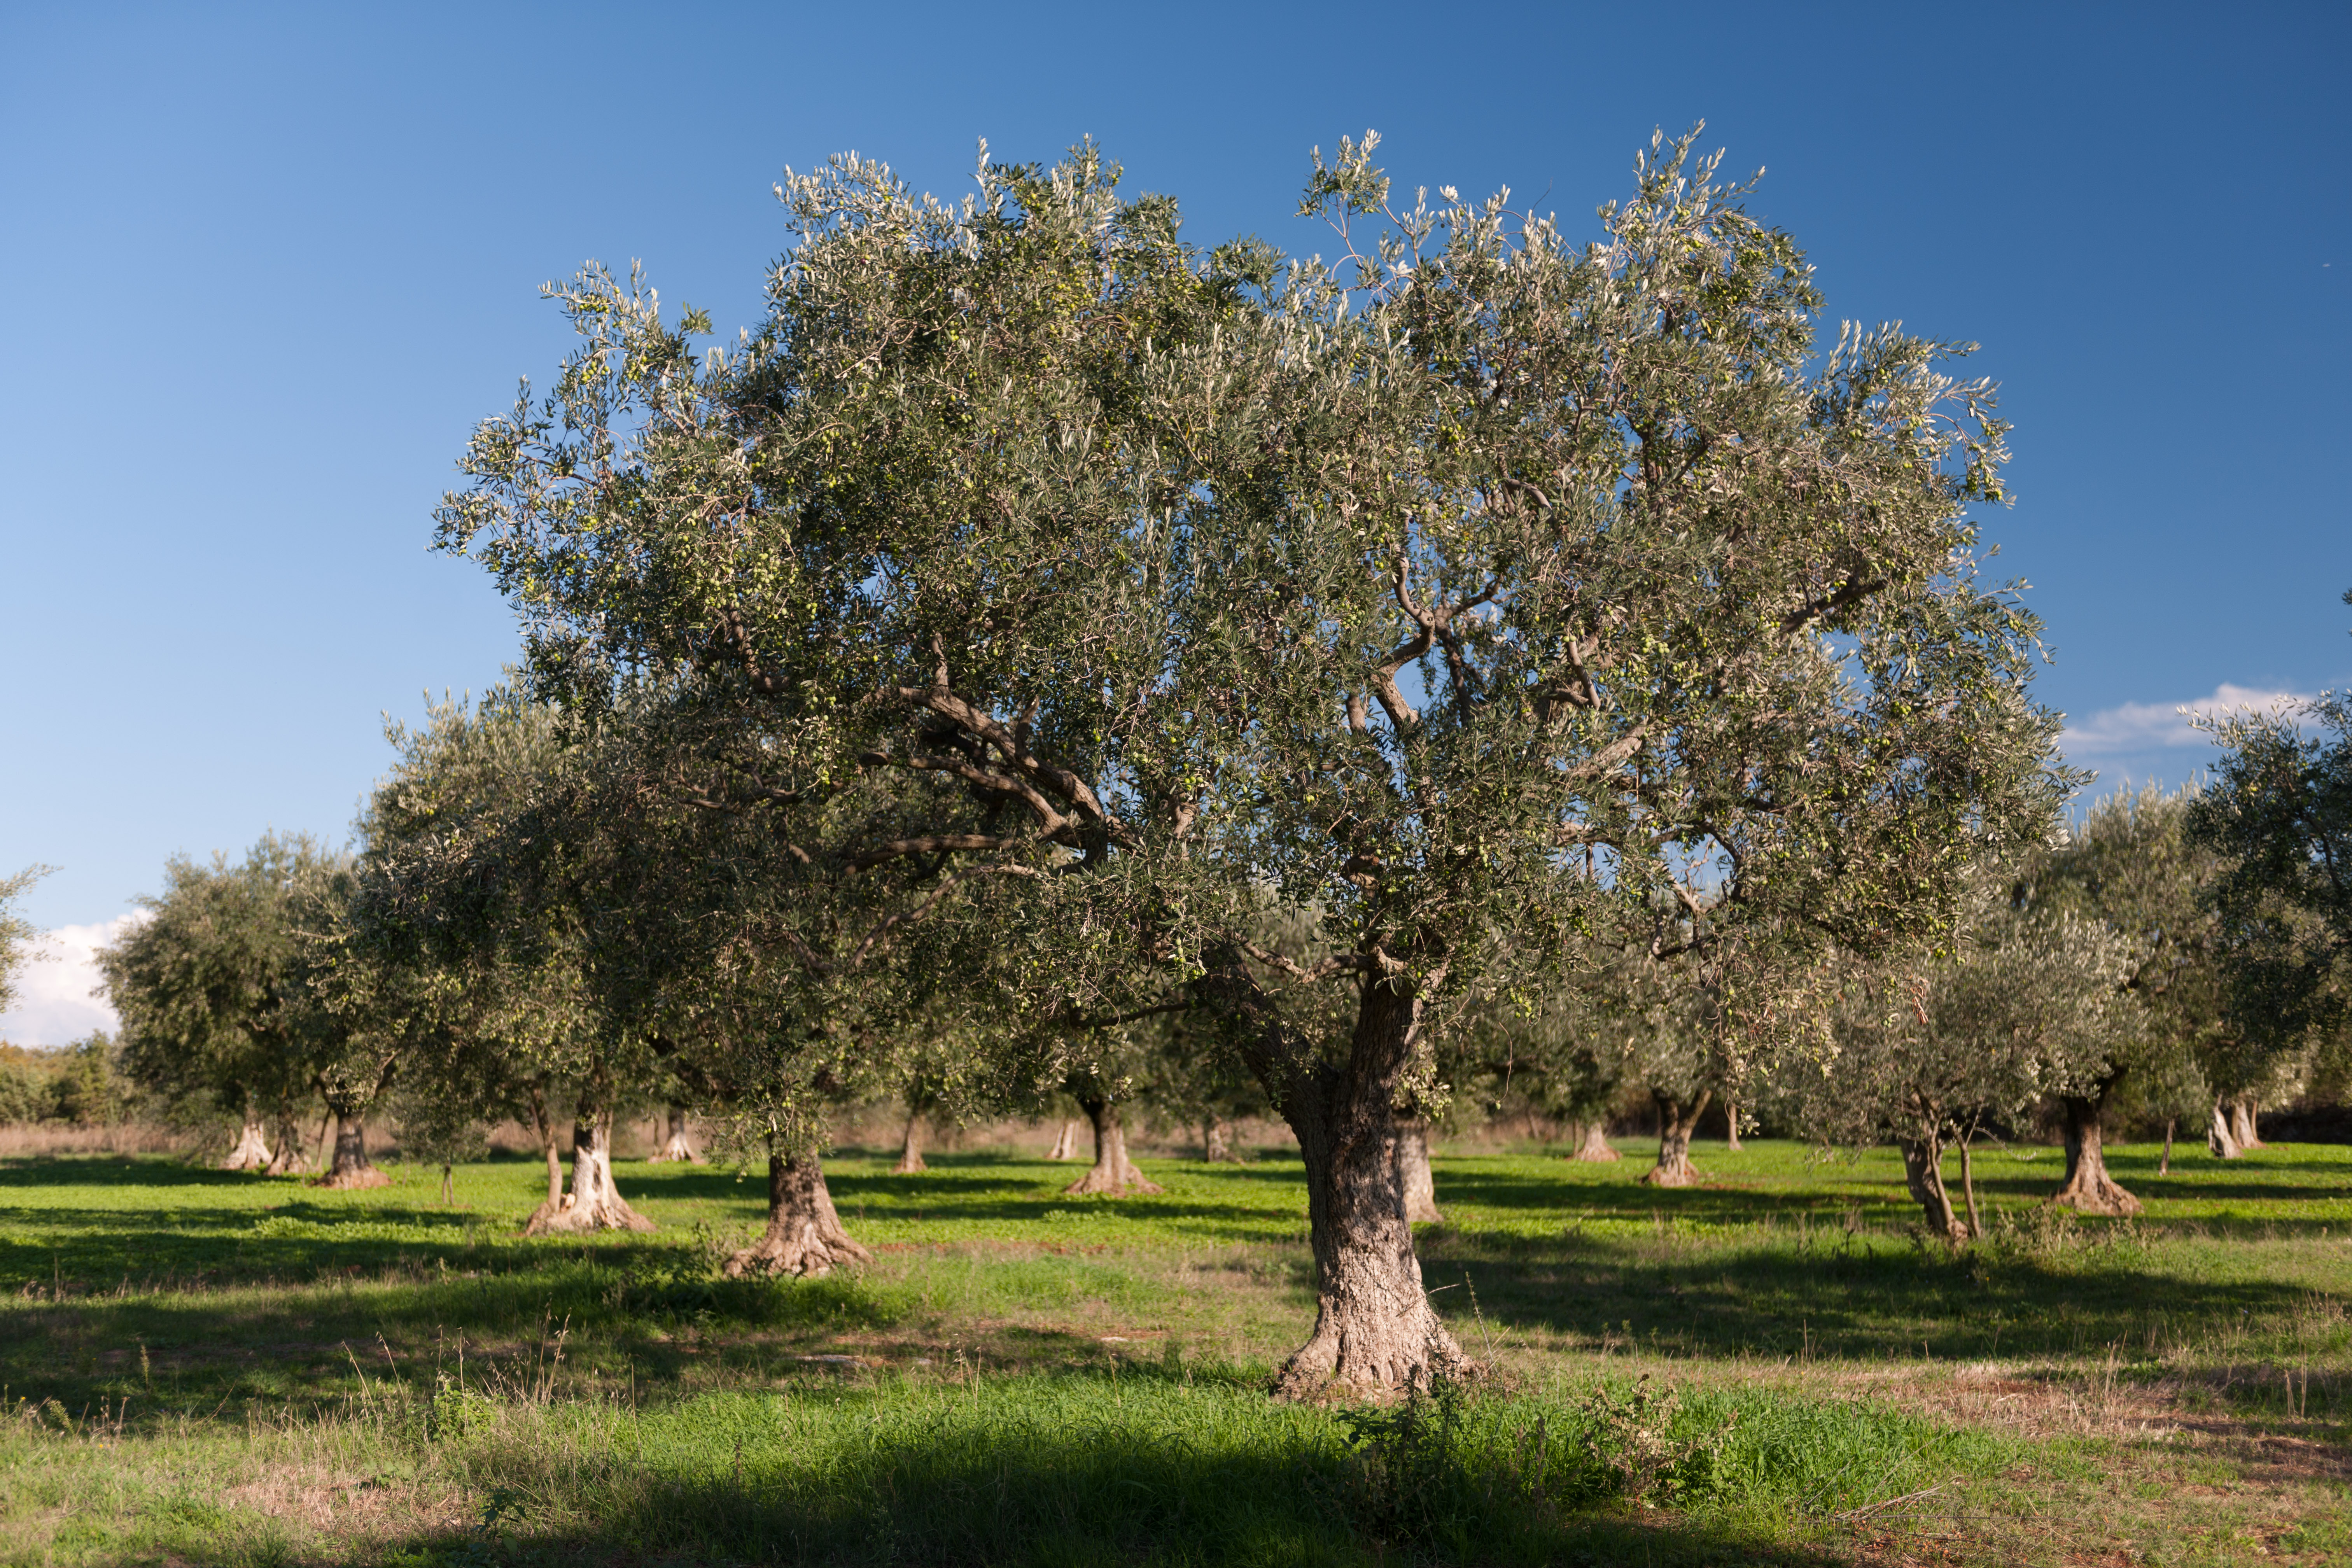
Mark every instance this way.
x=1730 y=1127
x=594 y=1203
x=1923 y=1173
x=1676 y=1122
x=2088 y=1189
x=289 y=1158
x=1066 y=1142
x=252 y=1151
x=804 y=1236
x=1216 y=1149
x=1594 y=1145
x=2243 y=1124
x=2164 y=1166
x=1113 y=1172
x=2221 y=1138
x=1374 y=1329
x=544 y=1125
x=350 y=1167
x=1415 y=1186
x=675 y=1149
x=910 y=1151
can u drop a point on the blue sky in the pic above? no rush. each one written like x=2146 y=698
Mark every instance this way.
x=266 y=267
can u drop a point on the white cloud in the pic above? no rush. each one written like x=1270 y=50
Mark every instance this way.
x=2148 y=726
x=54 y=1003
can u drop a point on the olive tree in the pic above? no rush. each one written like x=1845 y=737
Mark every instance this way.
x=16 y=933
x=1090 y=589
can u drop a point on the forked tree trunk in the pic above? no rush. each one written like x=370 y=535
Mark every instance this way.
x=675 y=1149
x=911 y=1151
x=1676 y=1122
x=2219 y=1136
x=1923 y=1173
x=1066 y=1142
x=1415 y=1184
x=594 y=1203
x=2243 y=1124
x=1216 y=1149
x=1113 y=1172
x=252 y=1151
x=289 y=1158
x=350 y=1167
x=804 y=1236
x=1374 y=1330
x=1731 y=1127
x=2088 y=1189
x=1594 y=1145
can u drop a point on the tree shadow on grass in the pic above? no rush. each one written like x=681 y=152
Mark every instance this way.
x=132 y=1171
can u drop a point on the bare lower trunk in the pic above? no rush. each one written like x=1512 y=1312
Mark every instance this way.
x=1676 y=1122
x=252 y=1151
x=804 y=1236
x=1923 y=1173
x=289 y=1158
x=1216 y=1149
x=594 y=1203
x=1594 y=1145
x=2164 y=1166
x=2088 y=1189
x=350 y=1167
x=1113 y=1172
x=2220 y=1137
x=1731 y=1128
x=2243 y=1124
x=675 y=1149
x=911 y=1151
x=1066 y=1142
x=1374 y=1330
x=448 y=1186
x=544 y=1125
x=1968 y=1187
x=1415 y=1184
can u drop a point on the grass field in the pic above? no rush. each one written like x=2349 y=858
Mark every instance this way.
x=201 y=1367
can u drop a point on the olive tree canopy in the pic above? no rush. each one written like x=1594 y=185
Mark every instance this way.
x=1488 y=578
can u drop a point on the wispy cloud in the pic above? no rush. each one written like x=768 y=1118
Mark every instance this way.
x=2149 y=726
x=54 y=1003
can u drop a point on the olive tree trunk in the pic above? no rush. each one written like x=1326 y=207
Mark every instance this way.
x=1923 y=1173
x=2164 y=1166
x=1677 y=1120
x=1594 y=1145
x=1113 y=1172
x=2088 y=1189
x=2219 y=1136
x=1731 y=1127
x=910 y=1151
x=289 y=1158
x=543 y=1124
x=252 y=1151
x=1416 y=1185
x=1217 y=1148
x=2242 y=1123
x=804 y=1236
x=594 y=1203
x=1066 y=1142
x=350 y=1167
x=675 y=1148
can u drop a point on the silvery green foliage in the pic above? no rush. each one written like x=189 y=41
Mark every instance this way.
x=2278 y=817
x=16 y=933
x=1075 y=587
x=2026 y=1002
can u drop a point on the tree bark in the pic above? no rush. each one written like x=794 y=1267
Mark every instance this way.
x=1923 y=1173
x=1594 y=1145
x=2088 y=1189
x=804 y=1236
x=675 y=1149
x=1676 y=1122
x=1731 y=1127
x=594 y=1203
x=2164 y=1166
x=2243 y=1124
x=1216 y=1149
x=1113 y=1172
x=289 y=1158
x=544 y=1125
x=1415 y=1184
x=1968 y=1184
x=911 y=1151
x=252 y=1151
x=1066 y=1142
x=350 y=1167
x=2220 y=1137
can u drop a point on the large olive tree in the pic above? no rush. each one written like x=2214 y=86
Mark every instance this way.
x=1490 y=578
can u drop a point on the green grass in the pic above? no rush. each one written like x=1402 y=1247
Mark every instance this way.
x=223 y=1368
